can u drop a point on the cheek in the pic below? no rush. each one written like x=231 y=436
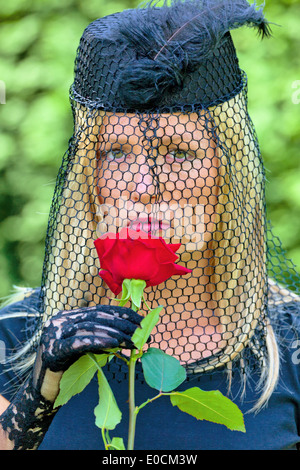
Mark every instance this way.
x=190 y=174
x=111 y=175
x=209 y=167
x=106 y=180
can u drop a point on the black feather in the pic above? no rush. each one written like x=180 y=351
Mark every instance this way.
x=173 y=40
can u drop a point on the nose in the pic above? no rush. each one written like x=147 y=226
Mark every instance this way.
x=141 y=186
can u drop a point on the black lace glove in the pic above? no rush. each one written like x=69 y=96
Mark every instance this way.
x=71 y=333
x=65 y=337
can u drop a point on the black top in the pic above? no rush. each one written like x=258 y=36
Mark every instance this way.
x=162 y=426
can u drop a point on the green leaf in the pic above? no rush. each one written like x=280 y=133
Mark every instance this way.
x=141 y=334
x=137 y=287
x=126 y=286
x=77 y=377
x=161 y=371
x=210 y=406
x=117 y=443
x=107 y=411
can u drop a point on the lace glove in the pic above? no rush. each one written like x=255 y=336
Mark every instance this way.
x=65 y=337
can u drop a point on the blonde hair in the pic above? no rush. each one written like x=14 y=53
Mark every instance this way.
x=241 y=175
x=71 y=255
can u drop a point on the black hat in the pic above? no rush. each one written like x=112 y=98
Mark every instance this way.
x=156 y=57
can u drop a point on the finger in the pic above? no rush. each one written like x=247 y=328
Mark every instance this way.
x=124 y=313
x=78 y=345
x=100 y=330
x=90 y=321
x=105 y=311
x=90 y=328
x=71 y=349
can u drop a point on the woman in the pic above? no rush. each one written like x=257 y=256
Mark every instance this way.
x=162 y=142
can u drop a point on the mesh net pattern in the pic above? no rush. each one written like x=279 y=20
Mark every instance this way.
x=189 y=170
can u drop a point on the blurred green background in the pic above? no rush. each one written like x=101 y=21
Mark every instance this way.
x=38 y=41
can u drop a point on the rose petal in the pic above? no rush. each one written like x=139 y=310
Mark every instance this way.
x=127 y=233
x=166 y=271
x=132 y=261
x=131 y=254
x=174 y=246
x=104 y=244
x=108 y=279
x=163 y=252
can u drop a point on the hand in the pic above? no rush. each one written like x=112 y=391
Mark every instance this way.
x=65 y=337
x=72 y=333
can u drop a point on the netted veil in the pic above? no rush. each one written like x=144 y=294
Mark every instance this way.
x=163 y=141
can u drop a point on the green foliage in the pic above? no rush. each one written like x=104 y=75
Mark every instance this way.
x=161 y=371
x=78 y=376
x=132 y=288
x=38 y=47
x=273 y=69
x=210 y=406
x=141 y=334
x=107 y=411
x=117 y=443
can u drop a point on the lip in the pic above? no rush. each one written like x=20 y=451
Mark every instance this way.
x=148 y=224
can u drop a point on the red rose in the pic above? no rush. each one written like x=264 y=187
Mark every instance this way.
x=132 y=254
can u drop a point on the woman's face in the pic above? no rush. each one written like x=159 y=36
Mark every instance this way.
x=186 y=177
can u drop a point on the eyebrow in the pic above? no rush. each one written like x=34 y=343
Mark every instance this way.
x=123 y=140
x=114 y=138
x=176 y=139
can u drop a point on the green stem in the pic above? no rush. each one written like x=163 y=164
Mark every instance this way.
x=121 y=357
x=132 y=410
x=104 y=439
x=131 y=379
x=149 y=308
x=150 y=400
